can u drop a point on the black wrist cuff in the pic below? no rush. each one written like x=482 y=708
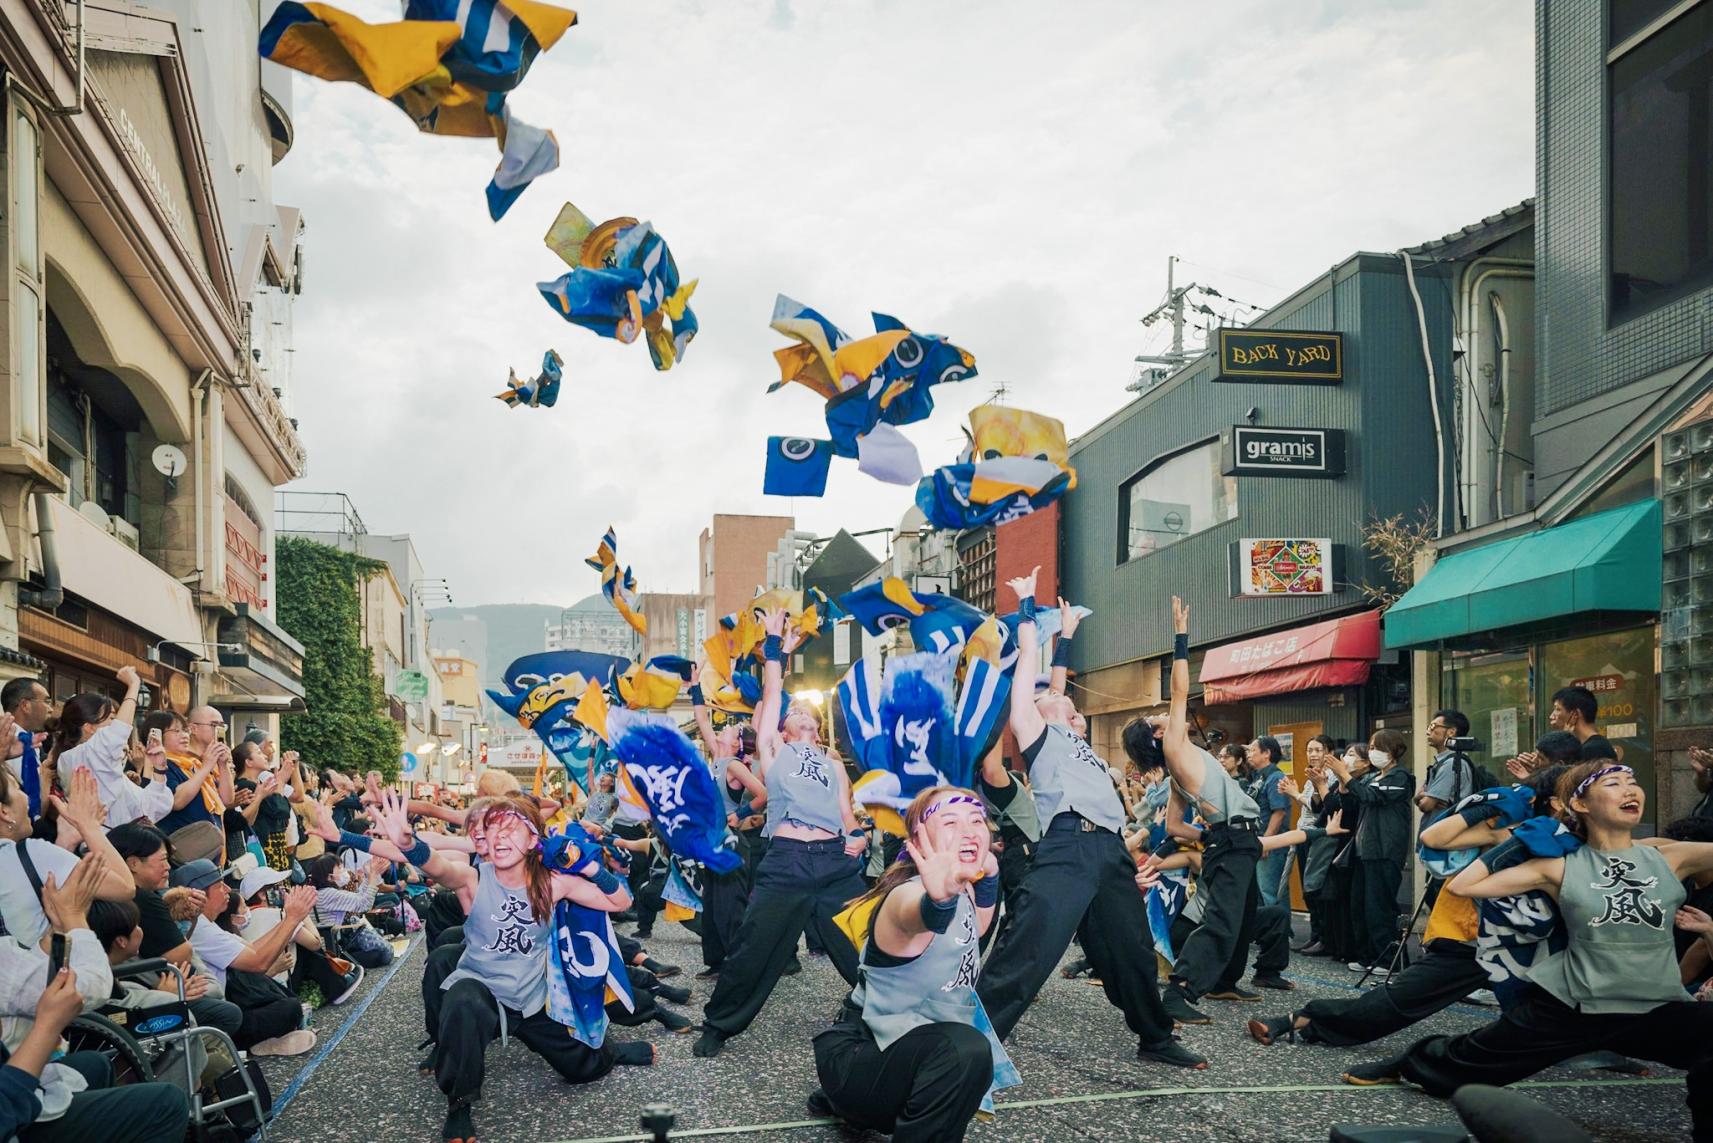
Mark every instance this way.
x=937 y=916
x=1180 y=646
x=987 y=891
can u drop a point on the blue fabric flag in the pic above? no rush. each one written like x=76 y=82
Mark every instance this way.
x=585 y=959
x=666 y=773
x=955 y=497
x=907 y=722
x=496 y=49
x=797 y=466
x=980 y=712
x=542 y=692
x=624 y=284
x=915 y=366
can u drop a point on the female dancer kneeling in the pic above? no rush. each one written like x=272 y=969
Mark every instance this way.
x=1616 y=985
x=500 y=985
x=812 y=863
x=912 y=1053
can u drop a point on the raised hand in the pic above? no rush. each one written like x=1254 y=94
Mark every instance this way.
x=1068 y=619
x=300 y=902
x=1024 y=585
x=1335 y=824
x=128 y=675
x=773 y=621
x=393 y=818
x=1180 y=616
x=943 y=875
x=14 y=745
x=67 y=906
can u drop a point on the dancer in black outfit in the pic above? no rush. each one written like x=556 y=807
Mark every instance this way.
x=1081 y=878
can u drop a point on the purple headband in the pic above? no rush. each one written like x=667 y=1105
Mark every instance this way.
x=1582 y=787
x=954 y=800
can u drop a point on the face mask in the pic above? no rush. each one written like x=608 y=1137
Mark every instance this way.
x=1379 y=759
x=240 y=921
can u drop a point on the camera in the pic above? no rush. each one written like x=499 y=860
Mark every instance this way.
x=1466 y=745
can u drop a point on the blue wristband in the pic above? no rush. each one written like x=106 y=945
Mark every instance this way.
x=987 y=891
x=937 y=916
x=696 y=695
x=1026 y=609
x=1062 y=651
x=356 y=841
x=773 y=649
x=606 y=881
x=418 y=854
x=1180 y=646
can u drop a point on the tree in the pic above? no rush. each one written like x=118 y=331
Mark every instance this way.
x=346 y=727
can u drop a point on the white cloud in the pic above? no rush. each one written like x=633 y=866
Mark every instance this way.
x=1010 y=175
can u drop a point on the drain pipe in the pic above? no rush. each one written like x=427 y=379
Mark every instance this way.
x=1433 y=396
x=52 y=592
x=198 y=398
x=1503 y=329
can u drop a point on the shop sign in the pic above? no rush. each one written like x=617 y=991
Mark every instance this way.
x=684 y=632
x=1292 y=567
x=411 y=686
x=246 y=562
x=1276 y=356
x=1252 y=451
x=1600 y=684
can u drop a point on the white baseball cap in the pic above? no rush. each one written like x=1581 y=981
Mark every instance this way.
x=258 y=879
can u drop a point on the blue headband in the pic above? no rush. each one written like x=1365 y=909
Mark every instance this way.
x=1604 y=771
x=954 y=800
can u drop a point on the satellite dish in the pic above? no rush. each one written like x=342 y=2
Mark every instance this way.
x=96 y=515
x=169 y=460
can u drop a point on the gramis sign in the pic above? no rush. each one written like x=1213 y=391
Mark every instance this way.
x=1251 y=451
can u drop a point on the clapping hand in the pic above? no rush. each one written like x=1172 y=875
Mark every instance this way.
x=9 y=735
x=67 y=906
x=299 y=903
x=1288 y=786
x=943 y=874
x=83 y=809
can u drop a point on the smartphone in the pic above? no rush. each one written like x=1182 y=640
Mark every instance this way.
x=56 y=956
x=155 y=737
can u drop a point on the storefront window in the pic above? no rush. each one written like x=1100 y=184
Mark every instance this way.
x=1177 y=497
x=1619 y=669
x=1495 y=692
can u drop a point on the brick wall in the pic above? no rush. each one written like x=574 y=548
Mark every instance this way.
x=1023 y=544
x=740 y=548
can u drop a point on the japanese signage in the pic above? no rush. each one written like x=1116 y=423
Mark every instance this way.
x=246 y=562
x=1288 y=567
x=1251 y=451
x=683 y=632
x=1281 y=356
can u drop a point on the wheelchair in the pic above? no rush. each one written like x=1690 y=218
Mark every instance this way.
x=139 y=1042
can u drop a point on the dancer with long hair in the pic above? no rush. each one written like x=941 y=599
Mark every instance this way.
x=500 y=984
x=1615 y=985
x=911 y=1054
x=813 y=863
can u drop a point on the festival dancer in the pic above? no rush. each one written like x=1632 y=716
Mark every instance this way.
x=911 y=1054
x=724 y=894
x=1081 y=879
x=500 y=984
x=813 y=863
x=1616 y=984
x=1215 y=952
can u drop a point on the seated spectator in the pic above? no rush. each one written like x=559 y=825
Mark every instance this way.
x=94 y=734
x=70 y=1101
x=252 y=914
x=309 y=812
x=20 y=884
x=343 y=893
x=271 y=1015
x=144 y=850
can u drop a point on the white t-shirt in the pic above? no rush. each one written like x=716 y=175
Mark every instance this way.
x=217 y=948
x=104 y=756
x=20 y=908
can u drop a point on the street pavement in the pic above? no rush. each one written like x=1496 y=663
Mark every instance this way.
x=1081 y=1077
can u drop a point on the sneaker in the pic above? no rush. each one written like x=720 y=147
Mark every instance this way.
x=291 y=1044
x=1272 y=980
x=820 y=1106
x=1356 y=966
x=1266 y=1032
x=356 y=979
x=459 y=1128
x=671 y=994
x=1180 y=1008
x=1234 y=992
x=710 y=1044
x=1372 y=1075
x=1173 y=1053
x=1483 y=997
x=1314 y=949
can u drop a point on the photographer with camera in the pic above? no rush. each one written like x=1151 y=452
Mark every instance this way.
x=1452 y=775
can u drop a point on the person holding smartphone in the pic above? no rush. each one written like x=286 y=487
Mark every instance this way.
x=94 y=734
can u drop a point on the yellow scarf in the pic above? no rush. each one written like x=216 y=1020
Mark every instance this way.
x=187 y=764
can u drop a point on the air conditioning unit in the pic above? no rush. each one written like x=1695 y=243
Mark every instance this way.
x=125 y=532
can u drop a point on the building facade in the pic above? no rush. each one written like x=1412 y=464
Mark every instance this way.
x=1604 y=578
x=146 y=371
x=592 y=624
x=1244 y=483
x=732 y=557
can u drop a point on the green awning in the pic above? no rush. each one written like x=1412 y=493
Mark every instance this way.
x=1610 y=561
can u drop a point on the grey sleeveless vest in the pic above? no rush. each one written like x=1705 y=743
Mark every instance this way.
x=505 y=948
x=733 y=797
x=803 y=789
x=1069 y=777
x=1223 y=797
x=938 y=985
x=1617 y=907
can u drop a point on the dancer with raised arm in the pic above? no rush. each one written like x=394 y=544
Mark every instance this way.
x=1215 y=952
x=1081 y=875
x=912 y=1054
x=813 y=863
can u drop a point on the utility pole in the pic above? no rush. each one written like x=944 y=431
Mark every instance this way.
x=1177 y=302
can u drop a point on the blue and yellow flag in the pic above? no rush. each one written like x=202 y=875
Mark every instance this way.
x=797 y=466
x=623 y=284
x=619 y=586
x=541 y=390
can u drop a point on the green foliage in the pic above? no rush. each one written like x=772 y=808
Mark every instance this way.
x=319 y=603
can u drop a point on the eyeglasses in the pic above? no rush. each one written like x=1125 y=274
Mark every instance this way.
x=214 y=724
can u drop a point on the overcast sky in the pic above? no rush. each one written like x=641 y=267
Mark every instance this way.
x=1011 y=175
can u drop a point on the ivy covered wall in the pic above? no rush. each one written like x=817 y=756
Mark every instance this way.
x=346 y=727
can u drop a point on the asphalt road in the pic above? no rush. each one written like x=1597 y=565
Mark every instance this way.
x=1081 y=1078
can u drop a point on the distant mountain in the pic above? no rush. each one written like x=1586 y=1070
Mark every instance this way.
x=512 y=630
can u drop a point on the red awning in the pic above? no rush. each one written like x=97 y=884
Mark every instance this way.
x=1336 y=653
